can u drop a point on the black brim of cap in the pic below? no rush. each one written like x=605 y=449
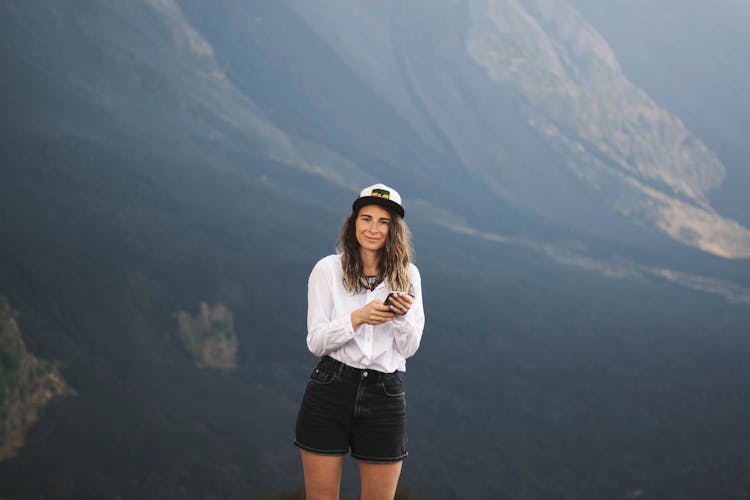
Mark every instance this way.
x=377 y=200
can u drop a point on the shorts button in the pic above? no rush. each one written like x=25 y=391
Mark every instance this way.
x=364 y=373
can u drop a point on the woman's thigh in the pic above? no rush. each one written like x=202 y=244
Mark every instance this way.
x=379 y=481
x=322 y=475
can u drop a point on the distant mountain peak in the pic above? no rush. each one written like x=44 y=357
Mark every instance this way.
x=613 y=133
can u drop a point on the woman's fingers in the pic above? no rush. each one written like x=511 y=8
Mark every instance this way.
x=382 y=318
x=404 y=300
x=380 y=313
x=401 y=304
x=387 y=314
x=398 y=309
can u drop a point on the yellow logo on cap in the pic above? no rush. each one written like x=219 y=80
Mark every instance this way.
x=381 y=193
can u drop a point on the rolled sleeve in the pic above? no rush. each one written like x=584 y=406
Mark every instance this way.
x=407 y=329
x=324 y=333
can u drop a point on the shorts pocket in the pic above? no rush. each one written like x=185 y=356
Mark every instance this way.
x=321 y=376
x=394 y=387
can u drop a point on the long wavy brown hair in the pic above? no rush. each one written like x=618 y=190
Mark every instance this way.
x=394 y=258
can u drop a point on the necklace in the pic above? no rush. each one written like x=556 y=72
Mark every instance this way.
x=371 y=282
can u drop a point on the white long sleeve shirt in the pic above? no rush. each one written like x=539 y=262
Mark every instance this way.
x=329 y=326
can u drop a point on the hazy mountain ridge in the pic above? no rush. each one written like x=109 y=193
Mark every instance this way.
x=630 y=155
x=687 y=57
x=569 y=74
x=614 y=267
x=237 y=111
x=212 y=112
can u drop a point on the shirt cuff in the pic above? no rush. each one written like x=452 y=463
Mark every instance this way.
x=349 y=326
x=400 y=318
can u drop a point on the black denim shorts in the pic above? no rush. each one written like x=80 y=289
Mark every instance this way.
x=348 y=408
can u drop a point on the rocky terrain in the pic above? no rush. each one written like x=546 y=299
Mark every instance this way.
x=27 y=385
x=209 y=336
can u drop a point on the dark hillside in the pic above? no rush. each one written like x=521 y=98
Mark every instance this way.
x=161 y=155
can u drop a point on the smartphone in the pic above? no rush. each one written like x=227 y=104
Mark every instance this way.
x=387 y=300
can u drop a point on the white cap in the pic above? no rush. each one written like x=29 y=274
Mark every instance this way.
x=379 y=194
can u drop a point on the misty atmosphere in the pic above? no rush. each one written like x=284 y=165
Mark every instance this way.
x=575 y=176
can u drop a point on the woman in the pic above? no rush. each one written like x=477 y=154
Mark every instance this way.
x=364 y=319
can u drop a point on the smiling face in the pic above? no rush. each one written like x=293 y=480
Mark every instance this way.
x=372 y=225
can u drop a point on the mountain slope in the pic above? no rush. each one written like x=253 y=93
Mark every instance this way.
x=165 y=154
x=687 y=57
x=595 y=139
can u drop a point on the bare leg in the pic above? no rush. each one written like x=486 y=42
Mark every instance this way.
x=379 y=481
x=322 y=475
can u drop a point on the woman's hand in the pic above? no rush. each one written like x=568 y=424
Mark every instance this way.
x=374 y=313
x=400 y=303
